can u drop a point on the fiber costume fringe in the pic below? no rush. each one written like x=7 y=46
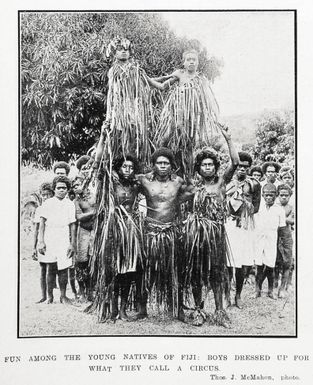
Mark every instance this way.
x=129 y=107
x=118 y=244
x=188 y=119
x=160 y=264
x=206 y=248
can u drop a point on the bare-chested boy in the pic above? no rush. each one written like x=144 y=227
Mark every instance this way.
x=163 y=191
x=85 y=214
x=284 y=260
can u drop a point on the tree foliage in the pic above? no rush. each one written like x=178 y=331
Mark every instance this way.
x=64 y=74
x=275 y=137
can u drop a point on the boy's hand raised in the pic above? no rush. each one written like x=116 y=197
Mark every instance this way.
x=225 y=131
x=42 y=248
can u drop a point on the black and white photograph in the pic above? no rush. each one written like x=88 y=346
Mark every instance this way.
x=157 y=173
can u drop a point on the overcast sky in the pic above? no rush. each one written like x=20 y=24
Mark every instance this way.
x=258 y=53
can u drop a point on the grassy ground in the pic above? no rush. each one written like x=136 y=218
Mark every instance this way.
x=261 y=316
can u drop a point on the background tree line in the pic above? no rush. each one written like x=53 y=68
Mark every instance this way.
x=64 y=74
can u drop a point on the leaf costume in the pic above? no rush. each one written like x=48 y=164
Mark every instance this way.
x=188 y=119
x=206 y=247
x=128 y=110
x=118 y=245
x=161 y=263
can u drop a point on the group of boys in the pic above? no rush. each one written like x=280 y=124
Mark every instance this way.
x=180 y=252
x=196 y=231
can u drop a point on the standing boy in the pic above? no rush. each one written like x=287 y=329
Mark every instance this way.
x=269 y=220
x=85 y=214
x=57 y=235
x=190 y=113
x=285 y=242
x=45 y=193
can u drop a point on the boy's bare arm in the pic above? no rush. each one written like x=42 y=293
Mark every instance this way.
x=100 y=147
x=156 y=82
x=72 y=238
x=187 y=191
x=41 y=237
x=229 y=172
x=162 y=78
x=290 y=218
x=35 y=241
x=160 y=86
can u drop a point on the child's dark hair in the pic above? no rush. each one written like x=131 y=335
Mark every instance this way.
x=118 y=162
x=46 y=187
x=62 y=165
x=284 y=187
x=207 y=154
x=245 y=157
x=256 y=169
x=81 y=161
x=61 y=179
x=166 y=152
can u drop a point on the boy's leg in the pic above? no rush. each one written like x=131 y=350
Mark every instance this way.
x=228 y=282
x=291 y=270
x=71 y=273
x=240 y=276
x=43 y=282
x=196 y=288
x=260 y=276
x=51 y=280
x=115 y=294
x=125 y=287
x=216 y=282
x=270 y=277
x=79 y=269
x=141 y=295
x=284 y=280
x=63 y=279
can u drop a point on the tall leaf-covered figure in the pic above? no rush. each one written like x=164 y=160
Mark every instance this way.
x=128 y=102
x=124 y=132
x=189 y=116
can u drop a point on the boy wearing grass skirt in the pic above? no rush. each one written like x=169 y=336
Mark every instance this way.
x=118 y=245
x=129 y=106
x=164 y=191
x=204 y=231
x=189 y=115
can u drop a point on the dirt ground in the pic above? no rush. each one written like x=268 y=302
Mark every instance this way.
x=259 y=317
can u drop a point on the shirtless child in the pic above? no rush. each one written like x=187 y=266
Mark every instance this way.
x=85 y=213
x=163 y=191
x=284 y=260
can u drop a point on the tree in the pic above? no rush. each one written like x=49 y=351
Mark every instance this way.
x=64 y=74
x=275 y=136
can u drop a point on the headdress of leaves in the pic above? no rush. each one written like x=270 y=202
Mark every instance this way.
x=118 y=41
